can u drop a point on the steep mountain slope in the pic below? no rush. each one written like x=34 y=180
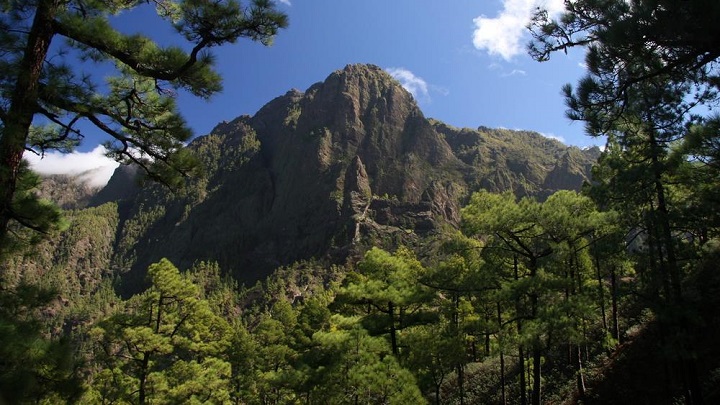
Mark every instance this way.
x=324 y=173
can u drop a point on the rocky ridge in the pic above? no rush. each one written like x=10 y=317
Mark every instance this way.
x=351 y=162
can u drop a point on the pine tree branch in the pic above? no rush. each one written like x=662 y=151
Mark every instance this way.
x=128 y=58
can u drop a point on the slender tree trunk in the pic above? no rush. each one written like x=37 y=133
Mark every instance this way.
x=460 y=366
x=537 y=374
x=144 y=365
x=23 y=106
x=487 y=335
x=523 y=383
x=614 y=296
x=580 y=372
x=461 y=383
x=667 y=246
x=521 y=352
x=688 y=369
x=502 y=358
x=601 y=294
x=393 y=332
x=536 y=352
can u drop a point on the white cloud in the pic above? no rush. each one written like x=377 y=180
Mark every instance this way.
x=505 y=34
x=414 y=84
x=92 y=167
x=515 y=72
x=286 y=2
x=553 y=136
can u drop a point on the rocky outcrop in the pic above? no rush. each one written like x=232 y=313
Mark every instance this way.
x=348 y=163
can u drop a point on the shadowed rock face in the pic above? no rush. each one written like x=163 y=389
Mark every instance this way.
x=350 y=162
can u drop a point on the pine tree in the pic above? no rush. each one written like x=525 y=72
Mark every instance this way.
x=651 y=64
x=388 y=287
x=40 y=77
x=164 y=346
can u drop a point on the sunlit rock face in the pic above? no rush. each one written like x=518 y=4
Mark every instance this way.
x=348 y=163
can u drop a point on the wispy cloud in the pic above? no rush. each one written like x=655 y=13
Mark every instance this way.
x=505 y=35
x=553 y=136
x=414 y=84
x=514 y=72
x=286 y=2
x=92 y=167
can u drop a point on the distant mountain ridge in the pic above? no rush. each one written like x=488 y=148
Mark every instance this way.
x=351 y=162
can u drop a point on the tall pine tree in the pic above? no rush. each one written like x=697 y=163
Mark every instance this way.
x=47 y=51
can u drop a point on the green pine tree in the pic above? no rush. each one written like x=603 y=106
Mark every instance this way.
x=48 y=49
x=164 y=346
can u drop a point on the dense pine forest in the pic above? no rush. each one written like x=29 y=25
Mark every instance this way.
x=340 y=248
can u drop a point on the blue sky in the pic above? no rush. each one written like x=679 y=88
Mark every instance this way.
x=464 y=60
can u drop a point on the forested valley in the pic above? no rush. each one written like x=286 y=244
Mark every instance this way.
x=340 y=248
x=541 y=301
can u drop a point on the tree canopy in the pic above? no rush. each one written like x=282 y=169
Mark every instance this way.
x=48 y=49
x=631 y=44
x=651 y=88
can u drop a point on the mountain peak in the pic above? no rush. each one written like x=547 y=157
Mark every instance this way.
x=366 y=86
x=349 y=162
x=361 y=70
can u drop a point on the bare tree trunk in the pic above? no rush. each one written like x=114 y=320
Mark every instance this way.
x=521 y=352
x=537 y=374
x=144 y=370
x=523 y=383
x=580 y=372
x=23 y=106
x=461 y=383
x=601 y=294
x=393 y=332
x=502 y=358
x=614 y=295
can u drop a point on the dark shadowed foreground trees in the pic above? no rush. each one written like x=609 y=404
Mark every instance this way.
x=48 y=49
x=652 y=77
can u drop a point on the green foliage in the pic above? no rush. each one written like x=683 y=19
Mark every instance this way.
x=33 y=368
x=164 y=345
x=549 y=292
x=652 y=69
x=33 y=218
x=388 y=286
x=135 y=108
x=349 y=366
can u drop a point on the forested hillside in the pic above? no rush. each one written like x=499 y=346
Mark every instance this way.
x=338 y=247
x=325 y=174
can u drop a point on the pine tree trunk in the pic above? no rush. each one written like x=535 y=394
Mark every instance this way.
x=615 y=316
x=523 y=383
x=536 y=353
x=144 y=365
x=502 y=359
x=601 y=294
x=537 y=374
x=487 y=335
x=521 y=352
x=580 y=372
x=461 y=383
x=23 y=106
x=393 y=332
x=688 y=369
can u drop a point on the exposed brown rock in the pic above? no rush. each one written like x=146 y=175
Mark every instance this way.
x=324 y=173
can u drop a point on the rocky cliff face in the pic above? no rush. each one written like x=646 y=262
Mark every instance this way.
x=324 y=173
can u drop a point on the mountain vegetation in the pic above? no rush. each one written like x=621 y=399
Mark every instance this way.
x=358 y=151
x=339 y=247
